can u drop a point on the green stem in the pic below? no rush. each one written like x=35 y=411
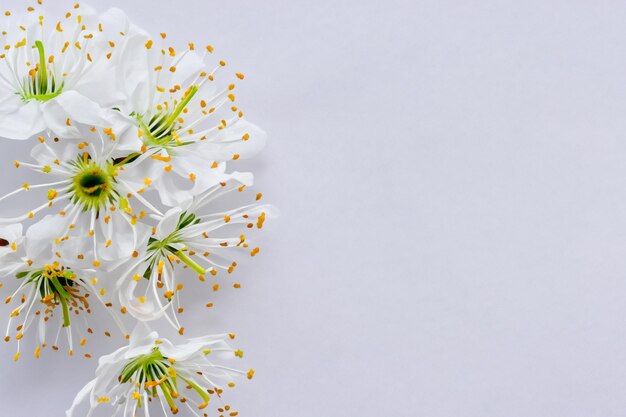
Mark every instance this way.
x=66 y=313
x=168 y=397
x=62 y=295
x=190 y=263
x=127 y=159
x=202 y=393
x=178 y=110
x=43 y=71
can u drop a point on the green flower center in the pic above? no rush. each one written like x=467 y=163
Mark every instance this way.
x=93 y=185
x=40 y=84
x=160 y=130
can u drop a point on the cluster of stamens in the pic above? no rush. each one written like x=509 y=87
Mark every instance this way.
x=41 y=82
x=53 y=285
x=154 y=376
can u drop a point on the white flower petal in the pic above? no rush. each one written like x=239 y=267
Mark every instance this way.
x=76 y=108
x=24 y=123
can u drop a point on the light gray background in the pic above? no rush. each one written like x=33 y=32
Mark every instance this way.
x=451 y=176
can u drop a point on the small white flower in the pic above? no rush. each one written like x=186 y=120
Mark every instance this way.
x=189 y=236
x=188 y=119
x=93 y=184
x=154 y=373
x=50 y=288
x=57 y=67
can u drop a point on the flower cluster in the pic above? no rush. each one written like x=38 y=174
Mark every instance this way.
x=133 y=140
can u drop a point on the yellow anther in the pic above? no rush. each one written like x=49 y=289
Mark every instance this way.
x=261 y=220
x=161 y=158
x=109 y=132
